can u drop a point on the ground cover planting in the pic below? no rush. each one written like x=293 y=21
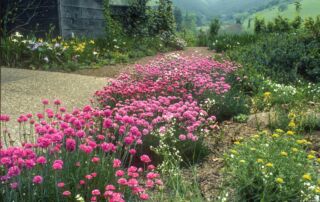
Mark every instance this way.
x=97 y=153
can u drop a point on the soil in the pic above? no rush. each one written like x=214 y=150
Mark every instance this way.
x=209 y=172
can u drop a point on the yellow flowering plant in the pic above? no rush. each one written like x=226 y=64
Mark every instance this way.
x=278 y=169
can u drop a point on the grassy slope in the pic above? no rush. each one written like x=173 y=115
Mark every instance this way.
x=310 y=8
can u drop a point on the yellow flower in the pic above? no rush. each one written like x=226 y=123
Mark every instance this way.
x=292 y=124
x=318 y=190
x=303 y=141
x=91 y=41
x=294 y=149
x=310 y=156
x=242 y=161
x=313 y=152
x=256 y=136
x=275 y=135
x=269 y=165
x=267 y=94
x=290 y=132
x=233 y=151
x=40 y=40
x=279 y=131
x=291 y=115
x=260 y=160
x=237 y=143
x=253 y=149
x=306 y=176
x=279 y=180
x=318 y=160
x=284 y=153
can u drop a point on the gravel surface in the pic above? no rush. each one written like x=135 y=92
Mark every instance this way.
x=22 y=90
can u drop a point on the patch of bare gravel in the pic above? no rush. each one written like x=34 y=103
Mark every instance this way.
x=22 y=90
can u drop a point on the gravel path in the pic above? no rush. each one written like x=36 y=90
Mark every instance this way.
x=22 y=91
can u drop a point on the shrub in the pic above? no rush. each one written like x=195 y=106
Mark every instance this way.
x=226 y=42
x=214 y=29
x=280 y=57
x=272 y=167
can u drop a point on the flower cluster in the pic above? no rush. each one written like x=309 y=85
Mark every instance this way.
x=94 y=153
x=276 y=164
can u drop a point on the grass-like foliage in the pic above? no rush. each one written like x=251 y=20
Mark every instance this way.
x=273 y=167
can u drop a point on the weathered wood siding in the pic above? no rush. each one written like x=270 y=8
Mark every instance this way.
x=81 y=17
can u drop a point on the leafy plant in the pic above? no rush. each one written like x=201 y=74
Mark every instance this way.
x=272 y=167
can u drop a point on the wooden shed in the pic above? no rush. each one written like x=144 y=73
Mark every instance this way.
x=63 y=17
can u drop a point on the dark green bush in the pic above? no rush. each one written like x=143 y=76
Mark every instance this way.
x=284 y=57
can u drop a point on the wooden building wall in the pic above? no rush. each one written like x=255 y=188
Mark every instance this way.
x=81 y=17
x=68 y=17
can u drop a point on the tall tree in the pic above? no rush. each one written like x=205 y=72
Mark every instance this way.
x=178 y=18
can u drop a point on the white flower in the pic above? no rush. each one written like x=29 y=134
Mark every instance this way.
x=95 y=53
x=17 y=34
x=46 y=59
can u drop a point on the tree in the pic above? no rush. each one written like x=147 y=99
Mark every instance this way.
x=214 y=29
x=164 y=19
x=137 y=17
x=298 y=6
x=259 y=26
x=11 y=10
x=178 y=18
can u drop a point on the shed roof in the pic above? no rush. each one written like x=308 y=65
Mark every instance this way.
x=126 y=2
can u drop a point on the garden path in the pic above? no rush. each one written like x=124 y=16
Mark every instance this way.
x=22 y=90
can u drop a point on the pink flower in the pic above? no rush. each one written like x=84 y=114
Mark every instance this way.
x=144 y=196
x=14 y=185
x=122 y=181
x=66 y=193
x=37 y=179
x=60 y=184
x=182 y=137
x=145 y=158
x=116 y=163
x=132 y=151
x=88 y=177
x=41 y=160
x=57 y=165
x=95 y=159
x=57 y=102
x=151 y=167
x=82 y=182
x=149 y=184
x=107 y=123
x=96 y=192
x=132 y=169
x=110 y=187
x=14 y=171
x=94 y=174
x=133 y=182
x=70 y=144
x=119 y=173
x=45 y=101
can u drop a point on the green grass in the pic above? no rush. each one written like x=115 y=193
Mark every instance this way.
x=309 y=8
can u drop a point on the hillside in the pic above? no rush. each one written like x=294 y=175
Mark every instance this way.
x=225 y=9
x=309 y=8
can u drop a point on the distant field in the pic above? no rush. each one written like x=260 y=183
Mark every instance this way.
x=309 y=8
